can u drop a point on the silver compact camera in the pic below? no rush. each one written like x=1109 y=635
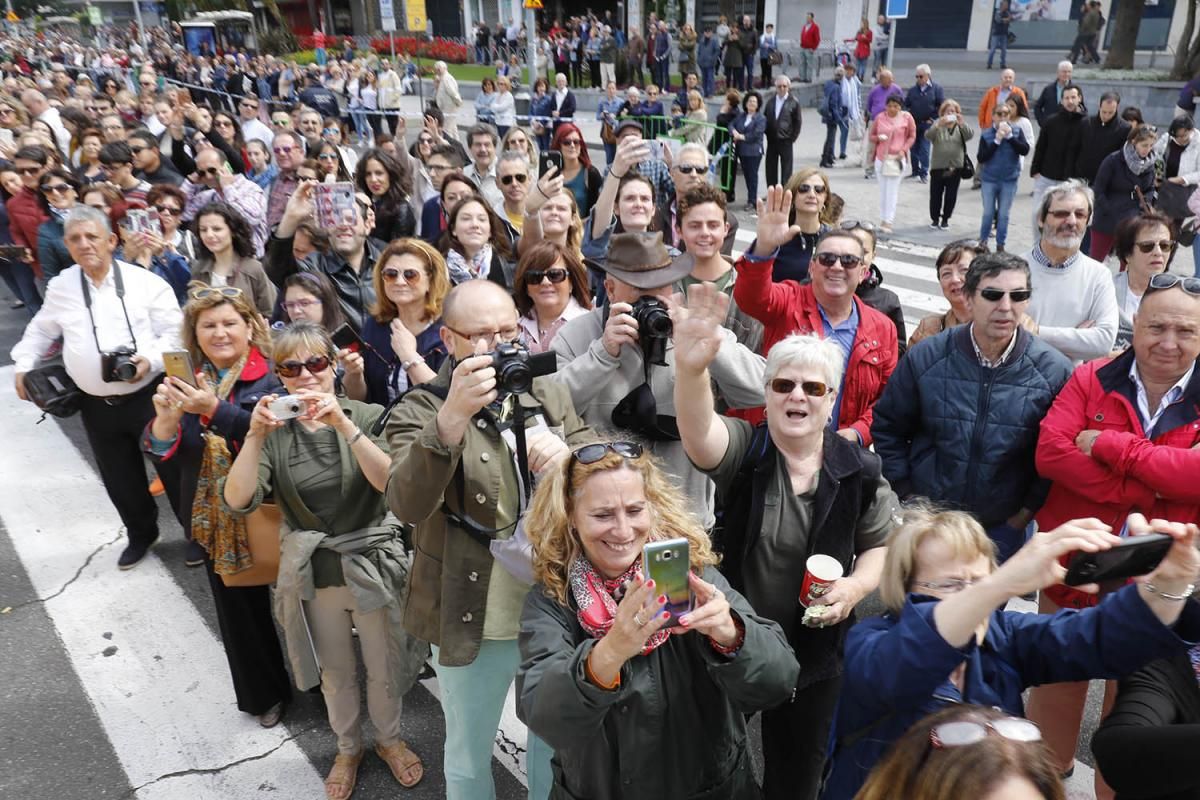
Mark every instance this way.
x=288 y=407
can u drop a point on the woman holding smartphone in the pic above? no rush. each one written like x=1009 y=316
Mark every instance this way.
x=599 y=666
x=949 y=136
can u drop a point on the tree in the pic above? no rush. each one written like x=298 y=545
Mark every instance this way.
x=1187 y=49
x=1125 y=32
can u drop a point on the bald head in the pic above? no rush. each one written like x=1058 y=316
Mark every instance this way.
x=464 y=302
x=35 y=101
x=478 y=314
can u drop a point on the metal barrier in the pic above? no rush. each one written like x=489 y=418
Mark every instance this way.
x=716 y=139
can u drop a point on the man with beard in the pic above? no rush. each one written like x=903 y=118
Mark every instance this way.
x=1057 y=143
x=1073 y=303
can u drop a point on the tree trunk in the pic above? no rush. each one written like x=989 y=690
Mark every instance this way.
x=1181 y=71
x=1125 y=31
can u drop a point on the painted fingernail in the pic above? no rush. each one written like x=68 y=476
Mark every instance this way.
x=662 y=599
x=650 y=583
x=665 y=615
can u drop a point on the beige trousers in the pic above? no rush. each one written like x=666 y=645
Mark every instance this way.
x=330 y=616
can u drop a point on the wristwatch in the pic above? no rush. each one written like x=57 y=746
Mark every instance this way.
x=407 y=365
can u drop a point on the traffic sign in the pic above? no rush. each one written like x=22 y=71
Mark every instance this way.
x=896 y=9
x=387 y=15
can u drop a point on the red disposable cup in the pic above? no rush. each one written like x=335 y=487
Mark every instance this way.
x=820 y=573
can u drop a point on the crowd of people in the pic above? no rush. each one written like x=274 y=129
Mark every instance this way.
x=453 y=419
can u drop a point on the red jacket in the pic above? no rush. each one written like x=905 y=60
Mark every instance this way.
x=1126 y=472
x=24 y=217
x=810 y=36
x=789 y=307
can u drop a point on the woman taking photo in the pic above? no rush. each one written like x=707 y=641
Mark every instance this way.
x=419 y=153
x=551 y=215
x=58 y=192
x=1001 y=148
x=169 y=202
x=404 y=346
x=1144 y=246
x=226 y=256
x=946 y=637
x=843 y=510
x=747 y=130
x=891 y=134
x=504 y=106
x=149 y=251
x=550 y=289
x=599 y=666
x=196 y=431
x=89 y=171
x=476 y=243
x=328 y=475
x=952 y=265
x=1124 y=186
x=949 y=137
x=387 y=181
x=580 y=178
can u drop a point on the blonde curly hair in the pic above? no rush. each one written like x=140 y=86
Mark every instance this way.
x=555 y=541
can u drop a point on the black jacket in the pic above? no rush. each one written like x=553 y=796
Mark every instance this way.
x=355 y=291
x=1057 y=146
x=1047 y=103
x=924 y=105
x=885 y=301
x=1145 y=746
x=785 y=127
x=1096 y=141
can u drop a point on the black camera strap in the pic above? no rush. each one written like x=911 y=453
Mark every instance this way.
x=87 y=301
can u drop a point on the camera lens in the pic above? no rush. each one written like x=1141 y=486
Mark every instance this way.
x=515 y=377
x=125 y=369
x=658 y=323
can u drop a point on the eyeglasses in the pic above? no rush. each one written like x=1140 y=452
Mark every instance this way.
x=591 y=453
x=331 y=132
x=282 y=122
x=424 y=140
x=487 y=337
x=136 y=150
x=810 y=388
x=815 y=188
x=572 y=143
x=1061 y=214
x=283 y=151
x=392 y=274
x=536 y=276
x=1165 y=280
x=438 y=167
x=948 y=586
x=291 y=369
x=996 y=295
x=214 y=291
x=57 y=188
x=965 y=732
x=847 y=260
x=1165 y=246
x=691 y=169
x=300 y=305
x=169 y=211
x=507 y=180
x=35 y=170
x=857 y=224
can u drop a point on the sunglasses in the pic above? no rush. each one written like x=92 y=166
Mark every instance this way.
x=391 y=274
x=948 y=586
x=212 y=172
x=291 y=369
x=847 y=260
x=960 y=734
x=327 y=157
x=211 y=291
x=1166 y=246
x=591 y=453
x=805 y=188
x=996 y=295
x=572 y=143
x=57 y=188
x=1165 y=280
x=170 y=211
x=856 y=224
x=425 y=140
x=283 y=151
x=223 y=123
x=507 y=180
x=536 y=276
x=690 y=169
x=810 y=388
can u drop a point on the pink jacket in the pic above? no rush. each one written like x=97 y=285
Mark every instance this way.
x=901 y=131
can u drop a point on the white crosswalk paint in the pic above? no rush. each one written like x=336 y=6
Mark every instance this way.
x=156 y=676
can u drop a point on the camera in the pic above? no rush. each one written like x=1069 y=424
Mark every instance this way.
x=287 y=407
x=117 y=366
x=516 y=368
x=654 y=328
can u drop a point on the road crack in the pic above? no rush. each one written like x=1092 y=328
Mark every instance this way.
x=73 y=578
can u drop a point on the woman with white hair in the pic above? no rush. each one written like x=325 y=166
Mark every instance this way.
x=795 y=489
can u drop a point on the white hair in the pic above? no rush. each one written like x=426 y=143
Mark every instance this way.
x=81 y=214
x=924 y=68
x=692 y=147
x=1066 y=65
x=806 y=350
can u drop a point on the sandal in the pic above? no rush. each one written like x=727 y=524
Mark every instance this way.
x=343 y=777
x=402 y=761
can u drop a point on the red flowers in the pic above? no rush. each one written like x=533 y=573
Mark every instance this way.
x=436 y=49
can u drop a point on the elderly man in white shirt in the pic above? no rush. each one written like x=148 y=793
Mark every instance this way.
x=253 y=127
x=115 y=320
x=447 y=97
x=39 y=108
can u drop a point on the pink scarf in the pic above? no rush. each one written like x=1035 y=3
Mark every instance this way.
x=597 y=606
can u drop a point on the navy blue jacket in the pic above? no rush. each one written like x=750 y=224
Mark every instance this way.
x=52 y=248
x=835 y=108
x=924 y=105
x=753 y=128
x=708 y=51
x=431 y=220
x=381 y=365
x=898 y=667
x=949 y=429
x=1001 y=163
x=1115 y=196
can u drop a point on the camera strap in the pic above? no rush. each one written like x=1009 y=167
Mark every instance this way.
x=87 y=301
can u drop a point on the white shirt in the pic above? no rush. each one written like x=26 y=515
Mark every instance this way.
x=1173 y=395
x=257 y=129
x=779 y=101
x=154 y=316
x=560 y=97
x=486 y=182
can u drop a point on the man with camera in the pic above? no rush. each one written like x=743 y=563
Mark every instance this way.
x=618 y=360
x=115 y=320
x=461 y=472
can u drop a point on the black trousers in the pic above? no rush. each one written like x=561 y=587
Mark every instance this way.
x=114 y=432
x=943 y=193
x=260 y=679
x=831 y=131
x=794 y=738
x=779 y=161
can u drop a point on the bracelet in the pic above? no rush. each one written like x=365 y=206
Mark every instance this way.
x=405 y=366
x=355 y=437
x=538 y=186
x=1177 y=598
x=618 y=177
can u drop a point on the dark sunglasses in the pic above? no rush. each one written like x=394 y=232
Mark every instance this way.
x=1166 y=246
x=327 y=157
x=1165 y=280
x=508 y=179
x=283 y=151
x=556 y=275
x=591 y=453
x=212 y=172
x=168 y=210
x=847 y=260
x=855 y=224
x=136 y=150
x=57 y=188
x=572 y=143
x=805 y=188
x=689 y=169
x=291 y=369
x=996 y=295
x=810 y=388
x=391 y=274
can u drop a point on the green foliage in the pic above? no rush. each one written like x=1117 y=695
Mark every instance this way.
x=281 y=40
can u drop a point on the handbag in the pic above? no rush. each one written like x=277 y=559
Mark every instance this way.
x=892 y=167
x=775 y=58
x=52 y=390
x=1173 y=199
x=262 y=534
x=967 y=171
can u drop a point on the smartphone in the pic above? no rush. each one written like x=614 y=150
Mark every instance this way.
x=666 y=563
x=178 y=364
x=334 y=204
x=548 y=159
x=346 y=339
x=12 y=252
x=1135 y=555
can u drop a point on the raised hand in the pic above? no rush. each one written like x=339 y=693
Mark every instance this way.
x=699 y=328
x=774 y=229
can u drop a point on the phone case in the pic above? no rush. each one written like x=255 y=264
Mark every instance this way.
x=334 y=204
x=178 y=364
x=1136 y=555
x=666 y=563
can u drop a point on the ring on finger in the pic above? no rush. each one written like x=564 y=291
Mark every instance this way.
x=637 y=618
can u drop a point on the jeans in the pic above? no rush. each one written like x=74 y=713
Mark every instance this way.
x=481 y=56
x=750 y=173
x=20 y=279
x=999 y=42
x=809 y=66
x=472 y=701
x=997 y=201
x=363 y=128
x=861 y=65
x=708 y=81
x=748 y=81
x=844 y=127
x=889 y=193
x=943 y=193
x=610 y=152
x=831 y=129
x=662 y=75
x=920 y=152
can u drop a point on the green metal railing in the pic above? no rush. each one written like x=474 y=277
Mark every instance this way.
x=715 y=138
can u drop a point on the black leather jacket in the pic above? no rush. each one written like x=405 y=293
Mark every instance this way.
x=355 y=290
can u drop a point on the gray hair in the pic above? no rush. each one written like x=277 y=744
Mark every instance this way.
x=1067 y=187
x=513 y=155
x=80 y=214
x=806 y=350
x=924 y=68
x=692 y=147
x=1066 y=65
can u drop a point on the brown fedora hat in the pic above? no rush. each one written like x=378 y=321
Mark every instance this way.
x=642 y=261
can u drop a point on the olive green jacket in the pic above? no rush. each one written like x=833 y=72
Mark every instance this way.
x=447 y=591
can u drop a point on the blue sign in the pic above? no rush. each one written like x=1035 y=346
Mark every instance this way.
x=896 y=9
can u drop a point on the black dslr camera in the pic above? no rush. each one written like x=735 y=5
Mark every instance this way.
x=654 y=328
x=516 y=368
x=118 y=366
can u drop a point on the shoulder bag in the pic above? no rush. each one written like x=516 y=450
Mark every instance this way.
x=967 y=171
x=52 y=390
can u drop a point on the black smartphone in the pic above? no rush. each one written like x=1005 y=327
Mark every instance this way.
x=1136 y=555
x=345 y=338
x=548 y=159
x=12 y=252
